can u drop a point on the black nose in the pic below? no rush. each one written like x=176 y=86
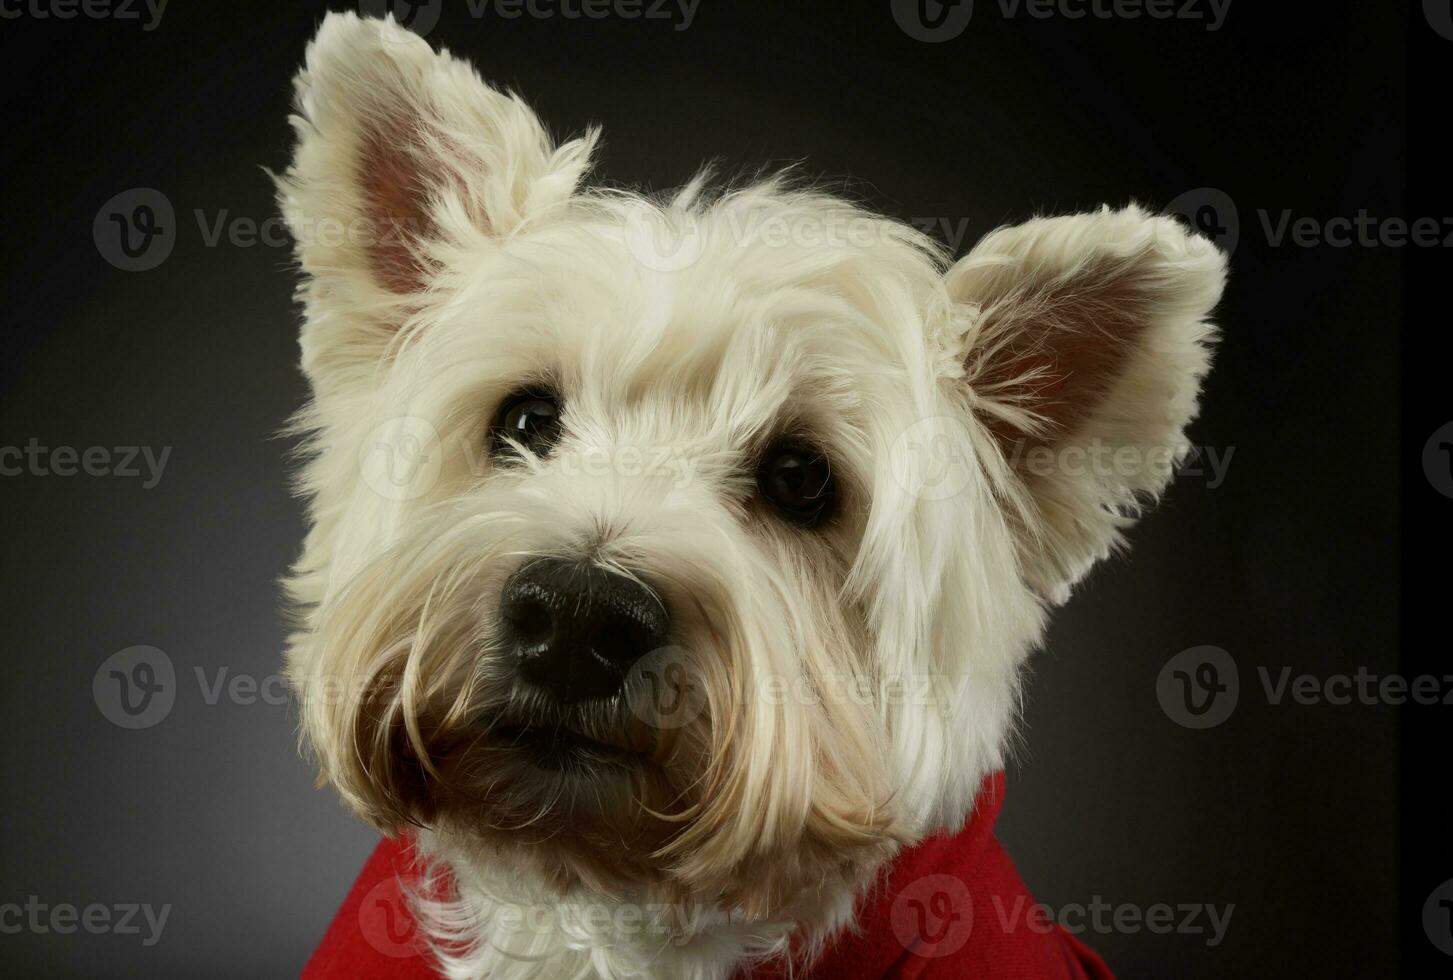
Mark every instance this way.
x=576 y=629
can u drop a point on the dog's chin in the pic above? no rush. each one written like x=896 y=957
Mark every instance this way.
x=584 y=796
x=558 y=749
x=576 y=799
x=575 y=807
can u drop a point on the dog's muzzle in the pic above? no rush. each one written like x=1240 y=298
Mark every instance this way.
x=575 y=629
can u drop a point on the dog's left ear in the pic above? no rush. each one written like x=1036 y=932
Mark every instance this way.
x=1087 y=342
x=404 y=154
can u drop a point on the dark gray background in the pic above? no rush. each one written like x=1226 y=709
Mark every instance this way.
x=1318 y=822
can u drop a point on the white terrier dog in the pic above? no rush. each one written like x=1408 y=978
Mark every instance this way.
x=684 y=554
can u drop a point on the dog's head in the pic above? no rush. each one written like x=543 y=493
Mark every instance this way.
x=700 y=542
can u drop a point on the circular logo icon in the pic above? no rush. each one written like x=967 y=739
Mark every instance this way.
x=929 y=461
x=1212 y=214
x=933 y=21
x=400 y=459
x=135 y=230
x=1438 y=460
x=933 y=916
x=1438 y=917
x=136 y=687
x=663 y=241
x=416 y=16
x=664 y=690
x=1199 y=687
x=1439 y=14
x=387 y=921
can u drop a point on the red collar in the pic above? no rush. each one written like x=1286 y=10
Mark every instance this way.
x=952 y=906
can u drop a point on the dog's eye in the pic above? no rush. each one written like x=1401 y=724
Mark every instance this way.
x=799 y=483
x=530 y=418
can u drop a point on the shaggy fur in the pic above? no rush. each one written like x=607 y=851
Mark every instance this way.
x=854 y=682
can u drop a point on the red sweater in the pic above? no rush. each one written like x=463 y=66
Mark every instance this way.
x=951 y=907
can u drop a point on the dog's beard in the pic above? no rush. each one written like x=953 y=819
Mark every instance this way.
x=727 y=769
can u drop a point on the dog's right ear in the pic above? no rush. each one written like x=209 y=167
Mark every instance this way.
x=403 y=157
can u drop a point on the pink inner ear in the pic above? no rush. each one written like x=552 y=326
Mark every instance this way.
x=396 y=206
x=1068 y=346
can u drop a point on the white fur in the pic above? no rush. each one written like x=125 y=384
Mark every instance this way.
x=700 y=358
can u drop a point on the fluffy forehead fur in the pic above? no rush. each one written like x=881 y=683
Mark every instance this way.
x=452 y=255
